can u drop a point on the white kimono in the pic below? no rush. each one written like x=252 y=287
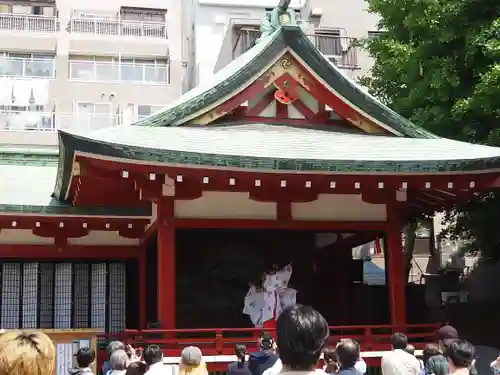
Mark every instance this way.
x=267 y=304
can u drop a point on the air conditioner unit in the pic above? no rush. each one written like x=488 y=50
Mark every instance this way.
x=316 y=12
x=334 y=59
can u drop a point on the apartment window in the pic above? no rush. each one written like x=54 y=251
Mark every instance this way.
x=330 y=42
x=94 y=115
x=18 y=109
x=245 y=39
x=144 y=70
x=26 y=65
x=93 y=109
x=34 y=10
x=146 y=110
x=142 y=14
x=92 y=68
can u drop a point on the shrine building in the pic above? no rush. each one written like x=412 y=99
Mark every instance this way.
x=280 y=141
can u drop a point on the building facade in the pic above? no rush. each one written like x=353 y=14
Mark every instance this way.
x=66 y=64
x=226 y=29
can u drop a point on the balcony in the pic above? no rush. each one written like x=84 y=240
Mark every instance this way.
x=119 y=72
x=26 y=121
x=34 y=121
x=20 y=23
x=338 y=49
x=109 y=27
x=27 y=68
x=72 y=121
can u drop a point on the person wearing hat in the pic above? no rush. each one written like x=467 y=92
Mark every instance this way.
x=192 y=362
x=439 y=364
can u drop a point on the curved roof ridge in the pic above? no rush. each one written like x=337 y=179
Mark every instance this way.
x=220 y=78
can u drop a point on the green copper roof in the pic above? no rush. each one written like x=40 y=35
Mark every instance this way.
x=252 y=63
x=284 y=148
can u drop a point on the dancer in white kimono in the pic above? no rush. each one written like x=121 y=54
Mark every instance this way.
x=264 y=303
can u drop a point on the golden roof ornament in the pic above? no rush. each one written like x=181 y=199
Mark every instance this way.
x=279 y=16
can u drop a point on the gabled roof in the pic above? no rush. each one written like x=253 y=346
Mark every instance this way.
x=242 y=71
x=174 y=137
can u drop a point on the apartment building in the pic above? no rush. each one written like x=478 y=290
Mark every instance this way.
x=226 y=29
x=79 y=64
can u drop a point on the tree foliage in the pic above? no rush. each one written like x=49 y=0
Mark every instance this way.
x=438 y=64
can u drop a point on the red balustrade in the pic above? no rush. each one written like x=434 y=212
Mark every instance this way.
x=221 y=341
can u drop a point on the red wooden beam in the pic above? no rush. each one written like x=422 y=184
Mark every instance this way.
x=276 y=224
x=281 y=110
x=261 y=105
x=304 y=109
x=248 y=93
x=149 y=234
x=292 y=121
x=55 y=252
x=459 y=180
x=88 y=222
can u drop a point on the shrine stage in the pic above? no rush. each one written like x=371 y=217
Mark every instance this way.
x=214 y=268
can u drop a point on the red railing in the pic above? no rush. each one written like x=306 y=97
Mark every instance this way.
x=221 y=341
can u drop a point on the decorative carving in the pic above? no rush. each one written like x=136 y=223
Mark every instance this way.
x=286 y=63
x=280 y=16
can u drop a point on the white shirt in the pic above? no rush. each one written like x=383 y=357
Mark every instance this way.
x=274 y=369
x=278 y=366
x=399 y=362
x=360 y=366
x=162 y=369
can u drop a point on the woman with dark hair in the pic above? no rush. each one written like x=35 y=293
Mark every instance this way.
x=240 y=367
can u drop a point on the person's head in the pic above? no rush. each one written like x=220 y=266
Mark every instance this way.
x=26 y=353
x=113 y=346
x=445 y=335
x=410 y=349
x=85 y=357
x=119 y=360
x=331 y=360
x=240 y=351
x=136 y=368
x=191 y=356
x=430 y=350
x=399 y=341
x=330 y=355
x=460 y=354
x=192 y=362
x=301 y=336
x=266 y=341
x=348 y=352
x=152 y=354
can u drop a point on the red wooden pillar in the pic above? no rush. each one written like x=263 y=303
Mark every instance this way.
x=395 y=269
x=142 y=290
x=166 y=265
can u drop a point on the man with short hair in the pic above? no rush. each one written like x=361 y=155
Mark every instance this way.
x=153 y=356
x=112 y=347
x=439 y=364
x=461 y=357
x=265 y=358
x=301 y=334
x=398 y=361
x=84 y=358
x=348 y=355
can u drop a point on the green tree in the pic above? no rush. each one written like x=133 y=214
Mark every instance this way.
x=438 y=64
